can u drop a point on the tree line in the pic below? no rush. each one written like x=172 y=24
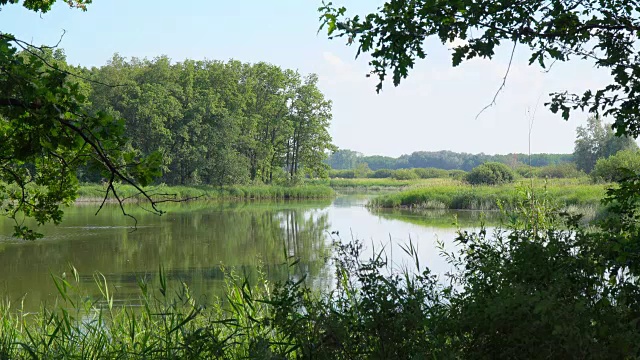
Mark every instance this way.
x=594 y=141
x=447 y=160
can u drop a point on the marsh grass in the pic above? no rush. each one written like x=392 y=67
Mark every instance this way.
x=163 y=324
x=95 y=192
x=568 y=192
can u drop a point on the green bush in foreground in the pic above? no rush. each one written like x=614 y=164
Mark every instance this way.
x=539 y=286
x=490 y=173
x=616 y=167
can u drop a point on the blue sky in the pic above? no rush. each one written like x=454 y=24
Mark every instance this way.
x=434 y=109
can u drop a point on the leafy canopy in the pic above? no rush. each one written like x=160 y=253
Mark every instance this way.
x=603 y=32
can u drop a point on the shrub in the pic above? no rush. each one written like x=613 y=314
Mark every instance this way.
x=405 y=174
x=457 y=174
x=526 y=171
x=560 y=171
x=616 y=167
x=382 y=174
x=362 y=171
x=490 y=173
x=342 y=174
x=431 y=173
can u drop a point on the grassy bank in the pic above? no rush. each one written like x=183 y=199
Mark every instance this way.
x=571 y=193
x=94 y=192
x=376 y=184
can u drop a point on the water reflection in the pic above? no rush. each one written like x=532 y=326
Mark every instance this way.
x=192 y=240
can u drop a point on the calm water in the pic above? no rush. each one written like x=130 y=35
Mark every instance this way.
x=193 y=240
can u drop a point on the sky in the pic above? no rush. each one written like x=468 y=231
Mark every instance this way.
x=434 y=109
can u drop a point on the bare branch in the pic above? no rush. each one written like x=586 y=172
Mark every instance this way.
x=504 y=81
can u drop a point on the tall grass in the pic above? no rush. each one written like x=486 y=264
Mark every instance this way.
x=93 y=192
x=569 y=192
x=378 y=184
x=165 y=324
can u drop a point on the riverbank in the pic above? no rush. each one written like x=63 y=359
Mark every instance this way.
x=95 y=192
x=461 y=196
x=374 y=185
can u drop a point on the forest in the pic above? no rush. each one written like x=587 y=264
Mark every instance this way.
x=212 y=122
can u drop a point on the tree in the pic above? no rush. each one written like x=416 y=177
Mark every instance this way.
x=343 y=159
x=47 y=134
x=595 y=141
x=600 y=31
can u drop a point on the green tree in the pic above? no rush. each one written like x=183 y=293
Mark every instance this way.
x=218 y=123
x=310 y=116
x=47 y=134
x=596 y=140
x=344 y=159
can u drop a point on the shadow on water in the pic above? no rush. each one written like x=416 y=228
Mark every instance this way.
x=193 y=240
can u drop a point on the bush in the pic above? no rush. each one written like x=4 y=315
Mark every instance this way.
x=382 y=174
x=342 y=174
x=526 y=171
x=362 y=171
x=457 y=174
x=616 y=167
x=431 y=173
x=405 y=174
x=560 y=171
x=490 y=173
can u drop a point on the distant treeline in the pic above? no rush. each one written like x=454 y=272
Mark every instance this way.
x=553 y=171
x=448 y=160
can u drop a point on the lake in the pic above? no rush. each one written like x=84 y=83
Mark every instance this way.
x=193 y=240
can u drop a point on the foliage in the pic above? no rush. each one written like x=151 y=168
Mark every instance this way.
x=362 y=171
x=382 y=174
x=431 y=173
x=560 y=171
x=457 y=174
x=602 y=32
x=342 y=174
x=490 y=174
x=231 y=192
x=534 y=291
x=344 y=159
x=372 y=183
x=448 y=160
x=47 y=135
x=525 y=171
x=219 y=123
x=489 y=197
x=596 y=141
x=617 y=167
x=405 y=174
